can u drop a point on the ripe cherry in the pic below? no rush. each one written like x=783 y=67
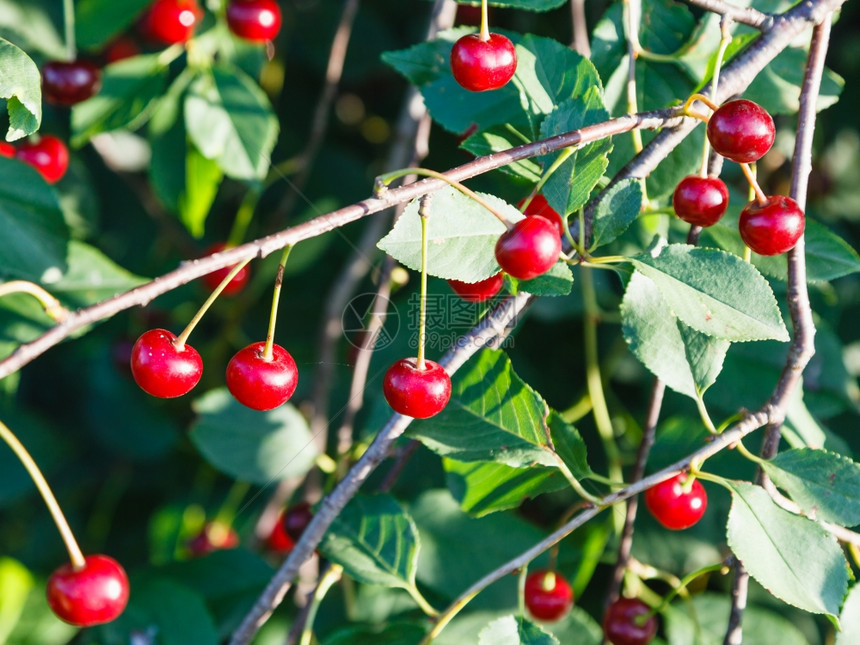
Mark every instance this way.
x=48 y=155
x=161 y=368
x=70 y=82
x=262 y=383
x=628 y=621
x=214 y=536
x=170 y=21
x=417 y=393
x=6 y=149
x=540 y=206
x=700 y=201
x=278 y=541
x=741 y=130
x=548 y=595
x=255 y=20
x=212 y=280
x=530 y=248
x=478 y=291
x=296 y=520
x=773 y=227
x=97 y=593
x=673 y=505
x=480 y=65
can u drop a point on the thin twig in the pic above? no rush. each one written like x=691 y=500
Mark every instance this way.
x=581 y=42
x=802 y=345
x=743 y=15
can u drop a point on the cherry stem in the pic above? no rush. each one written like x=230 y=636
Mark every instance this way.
x=689 y=110
x=424 y=215
x=681 y=587
x=69 y=27
x=725 y=40
x=243 y=218
x=180 y=341
x=761 y=198
x=485 y=22
x=276 y=296
x=387 y=178
x=50 y=304
x=334 y=573
x=75 y=554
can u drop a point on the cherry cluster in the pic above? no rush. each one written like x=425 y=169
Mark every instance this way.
x=173 y=21
x=742 y=131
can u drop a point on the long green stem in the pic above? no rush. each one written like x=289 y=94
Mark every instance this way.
x=75 y=555
x=446 y=618
x=50 y=304
x=276 y=296
x=725 y=40
x=179 y=344
x=750 y=174
x=69 y=27
x=329 y=578
x=424 y=216
x=235 y=495
x=684 y=583
x=243 y=217
x=421 y=601
x=593 y=377
x=387 y=178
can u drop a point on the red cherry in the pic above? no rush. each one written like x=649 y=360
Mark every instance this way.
x=214 y=536
x=162 y=369
x=48 y=155
x=94 y=594
x=700 y=201
x=6 y=149
x=120 y=49
x=170 y=21
x=530 y=248
x=548 y=595
x=260 y=383
x=256 y=20
x=673 y=506
x=773 y=227
x=629 y=621
x=480 y=65
x=212 y=280
x=539 y=206
x=415 y=392
x=296 y=520
x=278 y=541
x=478 y=291
x=70 y=82
x=741 y=130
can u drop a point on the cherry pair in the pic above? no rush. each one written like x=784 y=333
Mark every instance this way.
x=174 y=21
x=166 y=368
x=47 y=154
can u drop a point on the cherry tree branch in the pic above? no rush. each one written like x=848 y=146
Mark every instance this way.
x=743 y=15
x=802 y=346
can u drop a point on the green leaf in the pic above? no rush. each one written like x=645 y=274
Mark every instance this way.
x=375 y=541
x=849 y=619
x=702 y=621
x=828 y=256
x=514 y=630
x=499 y=138
x=686 y=360
x=558 y=281
x=30 y=215
x=256 y=447
x=129 y=90
x=570 y=446
x=392 y=633
x=98 y=21
x=221 y=575
x=461 y=236
x=15 y=584
x=572 y=181
x=825 y=485
x=777 y=87
x=492 y=416
x=177 y=613
x=790 y=556
x=715 y=292
x=91 y=277
x=617 y=209
x=202 y=178
x=485 y=487
x=230 y=120
x=21 y=86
